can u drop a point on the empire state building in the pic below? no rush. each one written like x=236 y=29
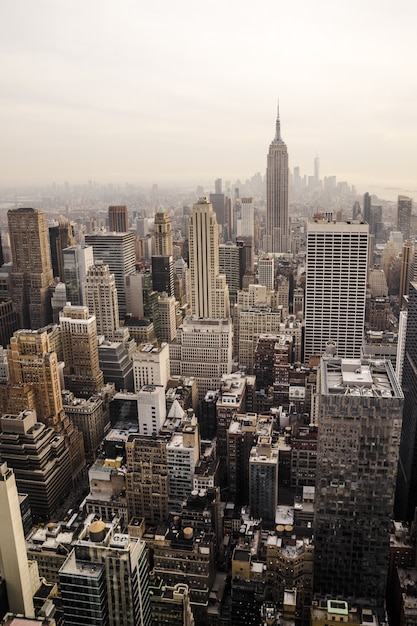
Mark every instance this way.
x=277 y=238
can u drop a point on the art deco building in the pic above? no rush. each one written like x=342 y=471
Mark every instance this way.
x=359 y=428
x=209 y=291
x=32 y=276
x=100 y=296
x=82 y=373
x=34 y=364
x=118 y=219
x=337 y=264
x=277 y=238
x=163 y=233
x=117 y=250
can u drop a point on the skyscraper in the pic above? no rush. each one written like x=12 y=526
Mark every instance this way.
x=337 y=264
x=32 y=271
x=118 y=219
x=359 y=428
x=406 y=496
x=404 y=207
x=209 y=291
x=82 y=373
x=163 y=233
x=13 y=558
x=277 y=238
x=100 y=296
x=117 y=250
x=61 y=236
x=77 y=260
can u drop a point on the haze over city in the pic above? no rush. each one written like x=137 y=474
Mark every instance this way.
x=187 y=92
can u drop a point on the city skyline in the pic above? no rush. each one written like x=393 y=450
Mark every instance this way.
x=131 y=96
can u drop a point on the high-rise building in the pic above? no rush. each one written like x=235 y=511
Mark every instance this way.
x=337 y=264
x=359 y=429
x=100 y=296
x=247 y=216
x=203 y=349
x=117 y=250
x=118 y=219
x=105 y=579
x=32 y=276
x=13 y=558
x=152 y=409
x=151 y=365
x=167 y=318
x=163 y=233
x=76 y=262
x=209 y=291
x=61 y=236
x=34 y=363
x=367 y=208
x=231 y=264
x=163 y=274
x=406 y=496
x=266 y=271
x=404 y=207
x=39 y=458
x=277 y=238
x=263 y=477
x=82 y=373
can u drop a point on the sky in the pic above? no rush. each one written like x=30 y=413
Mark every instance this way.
x=187 y=91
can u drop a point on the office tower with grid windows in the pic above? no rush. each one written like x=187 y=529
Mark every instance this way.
x=76 y=262
x=360 y=406
x=118 y=219
x=404 y=206
x=337 y=264
x=117 y=250
x=277 y=238
x=32 y=277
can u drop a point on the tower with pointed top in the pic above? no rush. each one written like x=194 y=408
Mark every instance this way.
x=277 y=237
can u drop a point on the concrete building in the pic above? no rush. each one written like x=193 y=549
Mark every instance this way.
x=100 y=296
x=263 y=477
x=277 y=238
x=107 y=575
x=151 y=365
x=359 y=429
x=167 y=317
x=147 y=482
x=209 y=291
x=82 y=372
x=13 y=557
x=337 y=265
x=203 y=349
x=151 y=409
x=163 y=233
x=32 y=362
x=40 y=460
x=117 y=250
x=32 y=275
x=266 y=271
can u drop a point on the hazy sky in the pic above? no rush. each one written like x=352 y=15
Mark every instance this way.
x=161 y=91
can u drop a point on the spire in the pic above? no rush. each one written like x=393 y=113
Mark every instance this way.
x=278 y=138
